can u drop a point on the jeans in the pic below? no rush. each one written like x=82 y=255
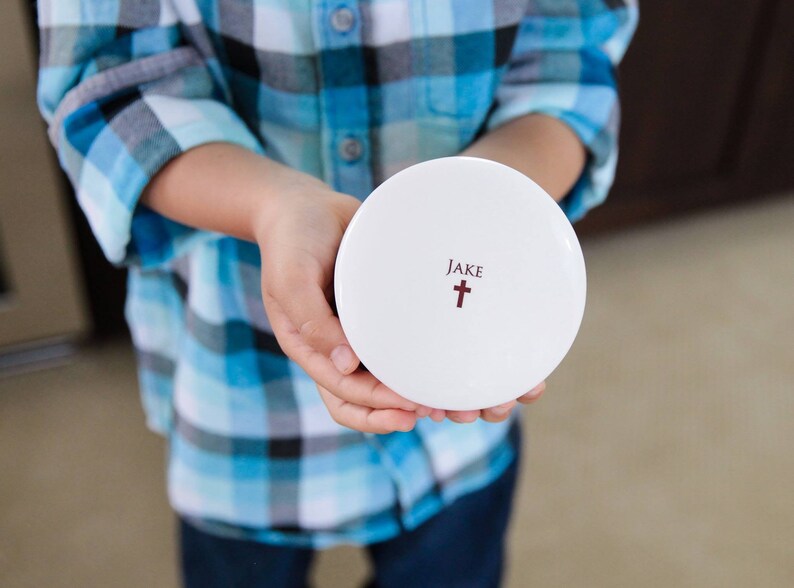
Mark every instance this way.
x=460 y=547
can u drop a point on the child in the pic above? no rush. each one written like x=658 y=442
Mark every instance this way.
x=219 y=148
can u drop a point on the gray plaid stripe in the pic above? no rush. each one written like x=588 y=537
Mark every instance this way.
x=259 y=447
x=508 y=12
x=197 y=36
x=155 y=362
x=126 y=76
x=231 y=336
x=138 y=13
x=296 y=74
x=145 y=138
x=289 y=73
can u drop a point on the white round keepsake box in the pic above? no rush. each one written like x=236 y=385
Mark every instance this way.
x=460 y=283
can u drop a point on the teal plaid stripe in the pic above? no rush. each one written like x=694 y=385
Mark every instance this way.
x=127 y=85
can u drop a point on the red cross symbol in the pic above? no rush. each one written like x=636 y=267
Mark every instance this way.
x=462 y=290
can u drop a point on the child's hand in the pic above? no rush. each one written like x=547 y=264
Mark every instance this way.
x=299 y=237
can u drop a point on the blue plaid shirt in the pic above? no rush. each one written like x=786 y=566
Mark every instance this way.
x=350 y=92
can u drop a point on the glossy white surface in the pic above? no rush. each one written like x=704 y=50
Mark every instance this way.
x=396 y=296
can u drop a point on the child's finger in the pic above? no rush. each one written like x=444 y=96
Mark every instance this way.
x=497 y=414
x=360 y=387
x=463 y=416
x=438 y=415
x=364 y=419
x=533 y=394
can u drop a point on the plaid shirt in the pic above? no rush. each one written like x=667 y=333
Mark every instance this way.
x=350 y=92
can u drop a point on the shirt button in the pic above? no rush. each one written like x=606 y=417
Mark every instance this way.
x=350 y=149
x=343 y=20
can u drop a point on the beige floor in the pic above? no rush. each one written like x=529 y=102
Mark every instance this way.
x=662 y=455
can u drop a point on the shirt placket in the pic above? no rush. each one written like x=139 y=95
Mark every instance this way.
x=343 y=97
x=347 y=154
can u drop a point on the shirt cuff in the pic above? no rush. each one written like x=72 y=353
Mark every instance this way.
x=119 y=159
x=579 y=89
x=599 y=139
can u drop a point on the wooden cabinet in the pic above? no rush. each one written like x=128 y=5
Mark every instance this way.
x=767 y=151
x=707 y=93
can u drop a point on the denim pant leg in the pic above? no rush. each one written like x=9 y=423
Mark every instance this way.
x=461 y=547
x=209 y=561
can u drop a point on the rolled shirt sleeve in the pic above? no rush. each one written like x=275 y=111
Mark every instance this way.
x=123 y=95
x=563 y=65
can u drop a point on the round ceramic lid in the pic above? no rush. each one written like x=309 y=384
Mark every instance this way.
x=460 y=283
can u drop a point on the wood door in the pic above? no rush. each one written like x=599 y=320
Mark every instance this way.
x=42 y=298
x=706 y=91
